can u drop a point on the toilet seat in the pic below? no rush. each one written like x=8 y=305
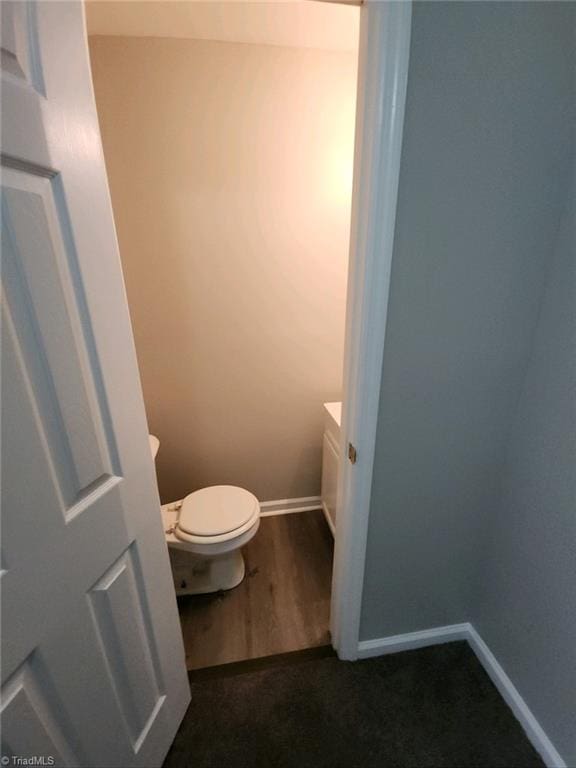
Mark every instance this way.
x=215 y=514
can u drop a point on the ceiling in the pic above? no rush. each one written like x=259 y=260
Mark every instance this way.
x=292 y=23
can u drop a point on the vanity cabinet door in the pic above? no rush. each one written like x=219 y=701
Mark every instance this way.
x=330 y=464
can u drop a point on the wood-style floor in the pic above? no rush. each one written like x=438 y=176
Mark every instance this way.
x=282 y=605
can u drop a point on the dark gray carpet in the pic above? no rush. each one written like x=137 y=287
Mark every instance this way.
x=429 y=707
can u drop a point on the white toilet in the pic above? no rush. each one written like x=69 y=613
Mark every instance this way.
x=205 y=532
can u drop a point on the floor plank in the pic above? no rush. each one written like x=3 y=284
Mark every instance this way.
x=282 y=605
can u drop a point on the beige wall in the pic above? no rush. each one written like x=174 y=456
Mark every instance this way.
x=230 y=173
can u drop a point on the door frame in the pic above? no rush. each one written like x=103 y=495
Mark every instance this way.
x=384 y=51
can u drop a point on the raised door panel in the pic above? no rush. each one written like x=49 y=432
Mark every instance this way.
x=32 y=729
x=23 y=134
x=120 y=618
x=19 y=50
x=44 y=296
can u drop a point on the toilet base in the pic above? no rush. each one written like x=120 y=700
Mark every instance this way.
x=197 y=575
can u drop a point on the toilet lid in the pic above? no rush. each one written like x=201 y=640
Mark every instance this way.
x=217 y=510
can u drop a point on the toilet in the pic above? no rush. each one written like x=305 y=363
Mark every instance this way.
x=205 y=533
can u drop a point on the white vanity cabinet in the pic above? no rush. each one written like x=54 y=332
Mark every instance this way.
x=331 y=461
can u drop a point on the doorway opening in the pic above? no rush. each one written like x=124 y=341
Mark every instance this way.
x=228 y=133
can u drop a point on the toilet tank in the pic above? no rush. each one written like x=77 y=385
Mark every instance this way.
x=154 y=445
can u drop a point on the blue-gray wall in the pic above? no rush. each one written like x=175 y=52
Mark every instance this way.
x=525 y=606
x=483 y=184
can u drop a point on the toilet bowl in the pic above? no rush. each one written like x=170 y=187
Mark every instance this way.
x=205 y=532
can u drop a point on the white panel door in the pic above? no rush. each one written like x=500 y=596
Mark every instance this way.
x=93 y=669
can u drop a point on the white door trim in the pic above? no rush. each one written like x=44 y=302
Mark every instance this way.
x=382 y=77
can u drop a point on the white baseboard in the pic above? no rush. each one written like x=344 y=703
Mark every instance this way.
x=534 y=731
x=512 y=697
x=383 y=645
x=288 y=506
